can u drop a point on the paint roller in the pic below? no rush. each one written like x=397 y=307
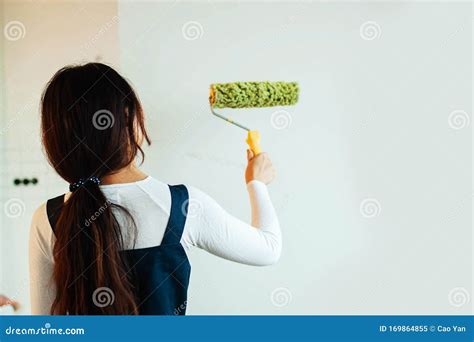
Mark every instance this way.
x=251 y=95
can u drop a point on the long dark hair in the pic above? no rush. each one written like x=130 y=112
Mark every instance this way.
x=92 y=125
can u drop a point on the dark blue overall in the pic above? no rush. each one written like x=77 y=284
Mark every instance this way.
x=160 y=274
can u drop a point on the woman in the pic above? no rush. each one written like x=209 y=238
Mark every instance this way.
x=116 y=242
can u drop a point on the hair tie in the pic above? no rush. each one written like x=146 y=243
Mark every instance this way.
x=74 y=186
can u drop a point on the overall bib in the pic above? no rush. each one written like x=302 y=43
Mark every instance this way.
x=159 y=274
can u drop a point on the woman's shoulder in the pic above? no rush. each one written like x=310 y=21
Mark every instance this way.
x=192 y=190
x=41 y=233
x=39 y=214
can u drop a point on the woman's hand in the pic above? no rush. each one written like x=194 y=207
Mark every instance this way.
x=6 y=301
x=259 y=168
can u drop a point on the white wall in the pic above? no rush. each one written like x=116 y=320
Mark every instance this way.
x=51 y=35
x=372 y=122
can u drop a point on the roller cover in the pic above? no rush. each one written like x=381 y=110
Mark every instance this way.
x=253 y=94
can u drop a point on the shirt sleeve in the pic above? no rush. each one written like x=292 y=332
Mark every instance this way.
x=210 y=227
x=41 y=264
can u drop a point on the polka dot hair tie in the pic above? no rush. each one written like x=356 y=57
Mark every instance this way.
x=74 y=186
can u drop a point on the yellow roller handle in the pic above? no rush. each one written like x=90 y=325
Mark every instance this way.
x=253 y=140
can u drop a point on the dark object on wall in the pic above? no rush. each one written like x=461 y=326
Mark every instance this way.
x=25 y=181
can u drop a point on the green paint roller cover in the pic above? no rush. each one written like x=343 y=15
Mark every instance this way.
x=253 y=94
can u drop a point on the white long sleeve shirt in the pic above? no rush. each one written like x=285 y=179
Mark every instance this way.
x=208 y=226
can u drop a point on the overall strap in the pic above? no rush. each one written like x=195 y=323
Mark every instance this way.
x=179 y=210
x=53 y=209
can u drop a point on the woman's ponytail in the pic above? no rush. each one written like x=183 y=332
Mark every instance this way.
x=89 y=273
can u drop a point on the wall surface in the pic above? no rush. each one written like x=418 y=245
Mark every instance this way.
x=373 y=185
x=39 y=37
